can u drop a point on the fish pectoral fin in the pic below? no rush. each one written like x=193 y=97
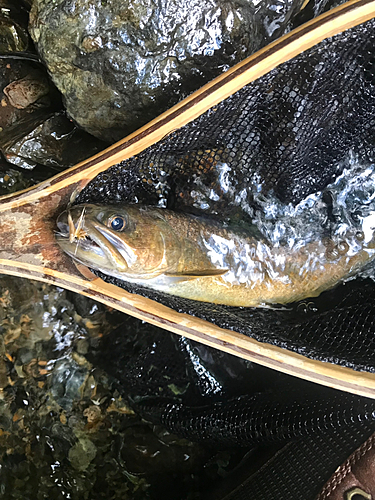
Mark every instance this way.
x=85 y=271
x=201 y=273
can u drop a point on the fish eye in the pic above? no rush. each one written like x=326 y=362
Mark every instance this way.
x=117 y=223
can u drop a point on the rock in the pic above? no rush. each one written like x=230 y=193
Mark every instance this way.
x=13 y=26
x=82 y=453
x=26 y=96
x=120 y=63
x=11 y=180
x=21 y=93
x=67 y=380
x=54 y=142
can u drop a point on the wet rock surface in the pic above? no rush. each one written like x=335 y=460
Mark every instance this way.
x=119 y=64
x=35 y=133
x=37 y=139
x=13 y=26
x=26 y=95
x=56 y=142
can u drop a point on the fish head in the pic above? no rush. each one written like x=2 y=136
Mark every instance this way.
x=122 y=241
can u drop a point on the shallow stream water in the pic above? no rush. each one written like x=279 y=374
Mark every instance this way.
x=65 y=429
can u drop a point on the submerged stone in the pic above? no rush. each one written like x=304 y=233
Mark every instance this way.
x=82 y=454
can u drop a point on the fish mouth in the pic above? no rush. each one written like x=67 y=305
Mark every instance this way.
x=93 y=247
x=122 y=250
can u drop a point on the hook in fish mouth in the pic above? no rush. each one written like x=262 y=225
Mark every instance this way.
x=70 y=230
x=89 y=242
x=75 y=240
x=76 y=233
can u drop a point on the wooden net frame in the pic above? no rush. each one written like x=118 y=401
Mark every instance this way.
x=28 y=218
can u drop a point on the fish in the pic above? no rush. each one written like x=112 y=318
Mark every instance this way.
x=204 y=260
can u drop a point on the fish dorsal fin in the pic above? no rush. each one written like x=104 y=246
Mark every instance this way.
x=199 y=273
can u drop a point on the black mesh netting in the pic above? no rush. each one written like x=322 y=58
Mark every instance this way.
x=294 y=130
x=204 y=394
